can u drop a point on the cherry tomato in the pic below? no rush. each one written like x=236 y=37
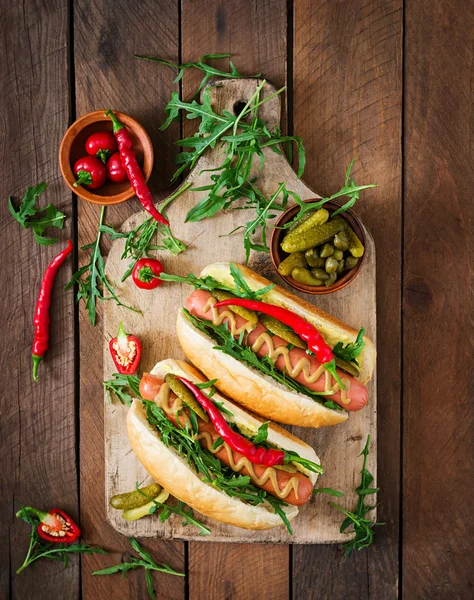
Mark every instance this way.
x=101 y=144
x=90 y=172
x=115 y=170
x=146 y=273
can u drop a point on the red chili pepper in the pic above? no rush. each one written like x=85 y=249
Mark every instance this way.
x=126 y=351
x=41 y=319
x=115 y=170
x=90 y=172
x=258 y=456
x=132 y=168
x=55 y=526
x=101 y=144
x=305 y=330
x=146 y=273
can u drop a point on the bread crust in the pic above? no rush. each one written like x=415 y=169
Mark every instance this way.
x=332 y=329
x=173 y=472
x=250 y=388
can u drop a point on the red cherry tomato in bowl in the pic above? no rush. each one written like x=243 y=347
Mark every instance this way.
x=115 y=170
x=101 y=144
x=90 y=172
x=146 y=273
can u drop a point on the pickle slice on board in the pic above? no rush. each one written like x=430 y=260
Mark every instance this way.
x=186 y=396
x=135 y=499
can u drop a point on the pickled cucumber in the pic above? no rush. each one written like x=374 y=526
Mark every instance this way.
x=356 y=248
x=247 y=314
x=186 y=396
x=348 y=367
x=312 y=237
x=135 y=499
x=278 y=328
x=133 y=514
x=296 y=259
x=302 y=275
x=317 y=218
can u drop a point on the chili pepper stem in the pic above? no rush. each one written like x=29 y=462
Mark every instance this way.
x=38 y=513
x=331 y=367
x=36 y=361
x=117 y=126
x=102 y=154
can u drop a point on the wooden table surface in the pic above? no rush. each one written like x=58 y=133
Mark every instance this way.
x=387 y=81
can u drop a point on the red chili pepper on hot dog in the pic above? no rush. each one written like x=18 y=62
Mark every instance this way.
x=126 y=351
x=55 y=526
x=41 y=319
x=258 y=456
x=132 y=168
x=305 y=330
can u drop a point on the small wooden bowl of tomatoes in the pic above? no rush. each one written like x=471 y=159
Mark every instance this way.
x=90 y=162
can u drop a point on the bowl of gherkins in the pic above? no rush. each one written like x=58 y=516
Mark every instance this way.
x=321 y=253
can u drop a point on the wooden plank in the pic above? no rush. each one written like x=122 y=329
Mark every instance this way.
x=438 y=302
x=347 y=103
x=106 y=36
x=37 y=433
x=255 y=34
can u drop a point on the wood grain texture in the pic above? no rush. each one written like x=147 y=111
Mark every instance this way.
x=106 y=36
x=254 y=32
x=37 y=435
x=347 y=104
x=438 y=302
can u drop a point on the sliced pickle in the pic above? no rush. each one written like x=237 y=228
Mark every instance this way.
x=133 y=514
x=186 y=396
x=348 y=367
x=278 y=328
x=247 y=314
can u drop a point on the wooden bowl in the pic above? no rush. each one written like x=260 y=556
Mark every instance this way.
x=73 y=147
x=278 y=255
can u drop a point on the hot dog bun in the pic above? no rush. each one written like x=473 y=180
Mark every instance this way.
x=254 y=390
x=172 y=471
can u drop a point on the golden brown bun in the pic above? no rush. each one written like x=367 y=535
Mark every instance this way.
x=254 y=390
x=333 y=330
x=173 y=472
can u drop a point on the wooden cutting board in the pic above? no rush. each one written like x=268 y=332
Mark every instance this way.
x=338 y=447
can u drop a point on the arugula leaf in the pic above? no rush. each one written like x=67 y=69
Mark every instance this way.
x=362 y=527
x=293 y=457
x=52 y=216
x=38 y=548
x=119 y=385
x=242 y=289
x=329 y=491
x=350 y=351
x=262 y=434
x=92 y=281
x=199 y=283
x=145 y=561
x=232 y=347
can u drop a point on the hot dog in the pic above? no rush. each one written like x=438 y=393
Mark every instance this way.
x=150 y=384
x=291 y=384
x=197 y=303
x=177 y=470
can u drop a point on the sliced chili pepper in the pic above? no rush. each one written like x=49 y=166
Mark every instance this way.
x=55 y=526
x=126 y=352
x=41 y=319
x=305 y=330
x=146 y=273
x=132 y=168
x=256 y=455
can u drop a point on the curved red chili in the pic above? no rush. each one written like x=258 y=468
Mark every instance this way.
x=300 y=326
x=132 y=168
x=126 y=351
x=41 y=319
x=55 y=526
x=258 y=456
